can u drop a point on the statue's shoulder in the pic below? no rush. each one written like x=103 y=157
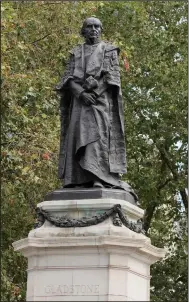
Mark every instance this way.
x=109 y=47
x=76 y=50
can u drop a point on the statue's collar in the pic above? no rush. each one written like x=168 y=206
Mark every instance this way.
x=88 y=42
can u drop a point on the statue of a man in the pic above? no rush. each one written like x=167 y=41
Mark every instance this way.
x=92 y=144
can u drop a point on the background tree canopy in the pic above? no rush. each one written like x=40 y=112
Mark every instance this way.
x=152 y=36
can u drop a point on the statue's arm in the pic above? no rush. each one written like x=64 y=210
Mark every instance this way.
x=75 y=88
x=67 y=81
x=67 y=76
x=79 y=92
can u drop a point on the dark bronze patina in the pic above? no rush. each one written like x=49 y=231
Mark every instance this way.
x=92 y=144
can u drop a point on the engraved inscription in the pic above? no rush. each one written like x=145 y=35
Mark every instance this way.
x=71 y=289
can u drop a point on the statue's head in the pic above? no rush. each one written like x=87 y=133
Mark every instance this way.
x=92 y=28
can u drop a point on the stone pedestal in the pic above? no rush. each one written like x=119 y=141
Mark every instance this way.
x=102 y=262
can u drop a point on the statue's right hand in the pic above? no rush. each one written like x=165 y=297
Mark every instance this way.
x=87 y=98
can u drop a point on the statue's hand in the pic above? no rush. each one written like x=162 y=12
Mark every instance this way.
x=88 y=98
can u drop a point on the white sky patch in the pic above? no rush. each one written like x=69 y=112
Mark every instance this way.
x=182 y=20
x=178 y=57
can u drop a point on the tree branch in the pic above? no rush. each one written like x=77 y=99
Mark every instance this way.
x=149 y=212
x=40 y=39
x=165 y=157
x=184 y=198
x=162 y=185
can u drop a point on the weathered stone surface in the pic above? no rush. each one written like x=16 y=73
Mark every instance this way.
x=102 y=262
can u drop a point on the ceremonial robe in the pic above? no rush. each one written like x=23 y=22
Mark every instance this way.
x=92 y=143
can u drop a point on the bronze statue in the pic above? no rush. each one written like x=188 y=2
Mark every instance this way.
x=92 y=144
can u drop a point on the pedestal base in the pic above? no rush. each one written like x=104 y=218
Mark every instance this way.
x=101 y=262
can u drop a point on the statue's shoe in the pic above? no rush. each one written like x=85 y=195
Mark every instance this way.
x=97 y=184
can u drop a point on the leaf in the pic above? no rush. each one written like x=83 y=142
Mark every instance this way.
x=25 y=170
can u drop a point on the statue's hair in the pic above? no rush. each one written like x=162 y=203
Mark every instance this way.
x=82 y=32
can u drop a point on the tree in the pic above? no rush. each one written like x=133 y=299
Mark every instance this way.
x=152 y=36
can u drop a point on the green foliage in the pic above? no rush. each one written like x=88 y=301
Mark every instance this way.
x=36 y=38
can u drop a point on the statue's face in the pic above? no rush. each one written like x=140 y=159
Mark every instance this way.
x=92 y=28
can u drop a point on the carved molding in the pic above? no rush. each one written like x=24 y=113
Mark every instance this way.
x=118 y=219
